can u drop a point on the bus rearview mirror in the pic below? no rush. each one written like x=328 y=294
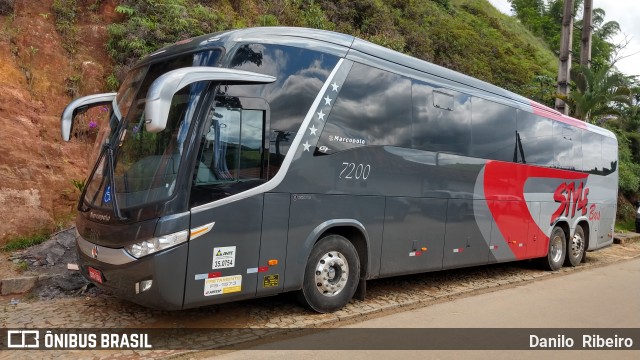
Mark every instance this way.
x=166 y=86
x=79 y=106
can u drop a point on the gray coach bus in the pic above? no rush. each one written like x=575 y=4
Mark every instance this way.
x=253 y=162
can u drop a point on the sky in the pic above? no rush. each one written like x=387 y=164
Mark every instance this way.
x=626 y=13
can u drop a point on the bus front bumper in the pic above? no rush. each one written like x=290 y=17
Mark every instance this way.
x=126 y=277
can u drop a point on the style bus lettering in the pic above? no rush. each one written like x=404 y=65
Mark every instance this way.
x=571 y=199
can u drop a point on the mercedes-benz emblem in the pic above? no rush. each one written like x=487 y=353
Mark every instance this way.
x=94 y=252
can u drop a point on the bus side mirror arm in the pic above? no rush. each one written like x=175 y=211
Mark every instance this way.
x=166 y=86
x=78 y=106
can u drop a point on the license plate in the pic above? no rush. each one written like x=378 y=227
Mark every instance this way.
x=95 y=275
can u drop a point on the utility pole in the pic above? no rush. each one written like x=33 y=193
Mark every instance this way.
x=587 y=29
x=565 y=55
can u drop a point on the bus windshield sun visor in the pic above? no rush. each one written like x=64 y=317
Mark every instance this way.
x=163 y=89
x=80 y=105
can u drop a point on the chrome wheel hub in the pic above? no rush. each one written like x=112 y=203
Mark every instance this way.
x=332 y=272
x=577 y=246
x=556 y=249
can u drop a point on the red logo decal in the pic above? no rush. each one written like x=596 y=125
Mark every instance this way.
x=593 y=214
x=571 y=199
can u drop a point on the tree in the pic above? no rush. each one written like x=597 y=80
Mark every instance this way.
x=544 y=19
x=598 y=93
x=602 y=49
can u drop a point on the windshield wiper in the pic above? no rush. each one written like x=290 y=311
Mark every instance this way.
x=107 y=151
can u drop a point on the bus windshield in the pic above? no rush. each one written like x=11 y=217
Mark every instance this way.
x=145 y=164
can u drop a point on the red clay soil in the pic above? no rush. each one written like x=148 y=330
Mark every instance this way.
x=36 y=166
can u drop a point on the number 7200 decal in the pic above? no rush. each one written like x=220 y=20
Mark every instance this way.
x=355 y=171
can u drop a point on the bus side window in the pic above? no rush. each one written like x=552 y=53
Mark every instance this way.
x=592 y=152
x=231 y=149
x=441 y=119
x=300 y=73
x=536 y=137
x=567 y=147
x=493 y=131
x=372 y=108
x=609 y=155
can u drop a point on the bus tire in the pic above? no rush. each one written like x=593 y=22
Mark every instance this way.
x=557 y=250
x=331 y=275
x=575 y=248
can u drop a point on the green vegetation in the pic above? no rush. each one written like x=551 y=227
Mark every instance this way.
x=465 y=35
x=23 y=242
x=151 y=24
x=544 y=19
x=22 y=266
x=78 y=184
x=598 y=93
x=625 y=226
x=66 y=13
x=73 y=85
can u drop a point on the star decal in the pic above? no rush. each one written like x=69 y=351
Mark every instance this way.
x=327 y=100
x=313 y=130
x=321 y=115
x=306 y=146
x=335 y=87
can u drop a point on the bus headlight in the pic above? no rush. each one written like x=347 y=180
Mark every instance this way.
x=156 y=244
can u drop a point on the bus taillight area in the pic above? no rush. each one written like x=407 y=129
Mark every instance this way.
x=155 y=281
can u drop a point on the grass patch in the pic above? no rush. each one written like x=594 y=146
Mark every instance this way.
x=23 y=242
x=22 y=266
x=626 y=226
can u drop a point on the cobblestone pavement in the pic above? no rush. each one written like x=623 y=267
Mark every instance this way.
x=259 y=318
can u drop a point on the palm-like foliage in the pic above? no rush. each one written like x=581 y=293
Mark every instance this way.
x=598 y=93
x=632 y=114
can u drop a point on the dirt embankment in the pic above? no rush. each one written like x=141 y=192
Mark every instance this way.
x=38 y=77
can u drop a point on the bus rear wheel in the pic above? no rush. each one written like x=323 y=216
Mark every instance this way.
x=575 y=248
x=331 y=275
x=557 y=250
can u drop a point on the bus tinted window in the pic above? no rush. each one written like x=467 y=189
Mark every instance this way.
x=577 y=149
x=567 y=147
x=535 y=133
x=231 y=156
x=493 y=130
x=373 y=108
x=441 y=119
x=609 y=155
x=300 y=74
x=592 y=152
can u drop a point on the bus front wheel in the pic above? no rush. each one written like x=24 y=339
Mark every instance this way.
x=331 y=275
x=557 y=250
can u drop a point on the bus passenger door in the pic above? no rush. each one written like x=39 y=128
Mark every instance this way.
x=232 y=156
x=221 y=260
